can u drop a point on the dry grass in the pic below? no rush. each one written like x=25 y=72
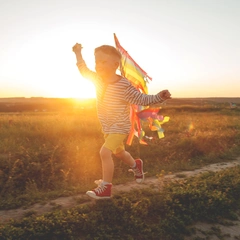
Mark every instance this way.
x=58 y=153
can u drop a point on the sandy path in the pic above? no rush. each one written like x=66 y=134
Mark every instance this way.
x=154 y=182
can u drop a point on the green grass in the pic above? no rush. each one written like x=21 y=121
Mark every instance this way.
x=47 y=155
x=140 y=214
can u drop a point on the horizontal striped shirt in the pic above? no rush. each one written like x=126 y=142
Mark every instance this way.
x=114 y=100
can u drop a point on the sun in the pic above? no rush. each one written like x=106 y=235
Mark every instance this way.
x=83 y=89
x=79 y=89
x=53 y=73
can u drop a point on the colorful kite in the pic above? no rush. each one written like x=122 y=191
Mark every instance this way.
x=139 y=78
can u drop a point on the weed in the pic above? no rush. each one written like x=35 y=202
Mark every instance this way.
x=47 y=155
x=181 y=175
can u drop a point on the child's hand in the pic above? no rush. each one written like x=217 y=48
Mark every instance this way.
x=164 y=95
x=77 y=48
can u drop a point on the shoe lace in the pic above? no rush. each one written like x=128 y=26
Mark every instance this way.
x=136 y=172
x=100 y=188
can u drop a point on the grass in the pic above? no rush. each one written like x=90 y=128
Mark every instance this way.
x=47 y=155
x=140 y=214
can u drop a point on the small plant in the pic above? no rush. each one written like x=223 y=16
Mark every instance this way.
x=163 y=180
x=47 y=155
x=181 y=175
x=29 y=213
x=144 y=214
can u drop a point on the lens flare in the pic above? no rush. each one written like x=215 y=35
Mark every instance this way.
x=191 y=127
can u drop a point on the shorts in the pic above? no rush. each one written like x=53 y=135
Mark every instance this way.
x=114 y=142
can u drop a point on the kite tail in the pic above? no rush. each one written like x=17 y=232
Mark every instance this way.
x=139 y=78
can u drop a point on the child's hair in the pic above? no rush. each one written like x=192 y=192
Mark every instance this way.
x=110 y=50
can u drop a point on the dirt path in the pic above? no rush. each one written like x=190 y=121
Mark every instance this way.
x=154 y=182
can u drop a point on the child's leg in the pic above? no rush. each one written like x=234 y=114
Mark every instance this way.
x=126 y=158
x=136 y=165
x=103 y=191
x=113 y=143
x=107 y=164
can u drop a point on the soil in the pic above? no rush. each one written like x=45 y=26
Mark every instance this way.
x=203 y=230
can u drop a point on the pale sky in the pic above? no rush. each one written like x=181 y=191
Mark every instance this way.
x=190 y=47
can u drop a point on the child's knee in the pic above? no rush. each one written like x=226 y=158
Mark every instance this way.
x=122 y=154
x=105 y=153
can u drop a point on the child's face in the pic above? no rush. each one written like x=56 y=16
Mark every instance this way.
x=105 y=65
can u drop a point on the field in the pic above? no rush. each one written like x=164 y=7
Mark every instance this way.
x=48 y=154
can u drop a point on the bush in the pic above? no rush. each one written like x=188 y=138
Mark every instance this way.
x=141 y=214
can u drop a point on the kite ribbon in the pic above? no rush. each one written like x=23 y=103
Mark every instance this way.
x=139 y=78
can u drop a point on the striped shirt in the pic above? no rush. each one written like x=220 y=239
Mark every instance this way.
x=114 y=100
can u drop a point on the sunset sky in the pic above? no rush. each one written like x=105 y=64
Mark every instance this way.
x=190 y=47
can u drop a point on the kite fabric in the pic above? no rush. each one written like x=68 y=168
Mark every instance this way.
x=131 y=70
x=139 y=78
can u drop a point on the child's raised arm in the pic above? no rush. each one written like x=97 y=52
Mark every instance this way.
x=77 y=49
x=82 y=67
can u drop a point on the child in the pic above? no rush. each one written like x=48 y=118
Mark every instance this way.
x=114 y=95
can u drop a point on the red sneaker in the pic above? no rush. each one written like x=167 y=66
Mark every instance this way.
x=101 y=192
x=138 y=171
